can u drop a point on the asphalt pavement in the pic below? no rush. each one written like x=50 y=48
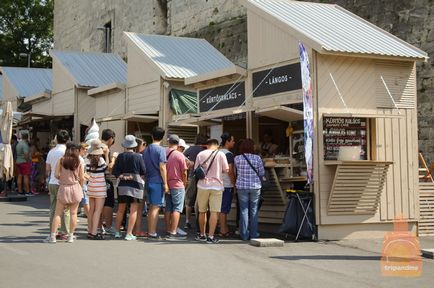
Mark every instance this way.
x=27 y=262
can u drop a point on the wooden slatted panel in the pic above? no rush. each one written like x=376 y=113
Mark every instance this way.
x=357 y=188
x=188 y=133
x=426 y=204
x=400 y=78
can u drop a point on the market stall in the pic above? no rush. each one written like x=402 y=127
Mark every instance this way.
x=74 y=74
x=364 y=114
x=164 y=73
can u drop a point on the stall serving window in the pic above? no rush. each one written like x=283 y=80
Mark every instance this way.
x=349 y=145
x=346 y=138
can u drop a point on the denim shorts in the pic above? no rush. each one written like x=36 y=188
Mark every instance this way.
x=85 y=200
x=175 y=200
x=227 y=200
x=155 y=194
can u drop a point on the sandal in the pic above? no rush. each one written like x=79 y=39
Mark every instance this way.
x=224 y=235
x=95 y=237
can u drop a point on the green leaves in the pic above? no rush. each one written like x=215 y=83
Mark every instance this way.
x=26 y=26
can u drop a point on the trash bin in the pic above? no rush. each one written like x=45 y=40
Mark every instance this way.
x=299 y=219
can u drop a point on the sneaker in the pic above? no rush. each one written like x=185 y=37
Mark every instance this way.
x=154 y=238
x=181 y=232
x=130 y=237
x=175 y=237
x=50 y=239
x=118 y=235
x=109 y=231
x=212 y=240
x=71 y=239
x=200 y=238
x=187 y=225
x=28 y=194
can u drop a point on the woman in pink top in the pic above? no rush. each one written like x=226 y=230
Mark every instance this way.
x=70 y=173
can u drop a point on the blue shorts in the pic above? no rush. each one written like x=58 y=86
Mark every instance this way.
x=175 y=200
x=227 y=200
x=155 y=194
x=85 y=200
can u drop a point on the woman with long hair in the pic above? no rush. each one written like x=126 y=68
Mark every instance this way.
x=96 y=188
x=250 y=171
x=70 y=174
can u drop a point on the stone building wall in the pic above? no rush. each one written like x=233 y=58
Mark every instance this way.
x=223 y=23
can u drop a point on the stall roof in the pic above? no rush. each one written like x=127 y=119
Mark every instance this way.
x=330 y=29
x=189 y=59
x=29 y=81
x=92 y=69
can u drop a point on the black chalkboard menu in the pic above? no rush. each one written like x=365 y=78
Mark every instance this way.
x=280 y=79
x=344 y=131
x=227 y=96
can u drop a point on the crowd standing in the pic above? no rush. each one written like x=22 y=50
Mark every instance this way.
x=146 y=179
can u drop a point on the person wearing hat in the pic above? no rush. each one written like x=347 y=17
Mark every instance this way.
x=177 y=180
x=129 y=168
x=96 y=187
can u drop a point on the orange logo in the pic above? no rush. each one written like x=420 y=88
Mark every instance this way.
x=401 y=252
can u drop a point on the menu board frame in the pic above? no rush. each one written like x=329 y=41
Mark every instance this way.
x=221 y=97
x=345 y=131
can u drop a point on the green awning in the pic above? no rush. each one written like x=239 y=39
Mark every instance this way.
x=183 y=102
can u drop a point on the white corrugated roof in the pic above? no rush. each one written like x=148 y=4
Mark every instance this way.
x=93 y=69
x=180 y=57
x=29 y=81
x=334 y=29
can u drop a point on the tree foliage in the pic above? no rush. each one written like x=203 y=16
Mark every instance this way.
x=26 y=26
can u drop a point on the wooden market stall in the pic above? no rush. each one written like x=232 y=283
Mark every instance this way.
x=74 y=74
x=29 y=91
x=163 y=75
x=365 y=146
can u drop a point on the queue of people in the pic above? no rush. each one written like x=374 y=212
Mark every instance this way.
x=164 y=178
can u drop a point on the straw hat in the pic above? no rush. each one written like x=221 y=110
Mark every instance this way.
x=96 y=147
x=129 y=142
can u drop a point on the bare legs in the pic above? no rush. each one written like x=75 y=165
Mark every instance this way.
x=95 y=209
x=138 y=226
x=212 y=222
x=59 y=211
x=153 y=219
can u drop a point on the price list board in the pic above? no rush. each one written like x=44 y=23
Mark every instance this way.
x=344 y=131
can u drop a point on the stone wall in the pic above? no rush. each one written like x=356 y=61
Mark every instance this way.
x=223 y=24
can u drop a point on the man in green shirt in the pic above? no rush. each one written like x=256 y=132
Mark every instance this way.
x=24 y=165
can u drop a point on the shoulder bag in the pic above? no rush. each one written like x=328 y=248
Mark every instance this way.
x=199 y=173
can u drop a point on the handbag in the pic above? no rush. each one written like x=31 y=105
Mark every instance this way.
x=199 y=173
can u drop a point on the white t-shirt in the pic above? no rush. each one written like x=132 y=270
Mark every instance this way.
x=52 y=158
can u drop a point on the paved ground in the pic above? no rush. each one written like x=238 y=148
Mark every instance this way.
x=27 y=262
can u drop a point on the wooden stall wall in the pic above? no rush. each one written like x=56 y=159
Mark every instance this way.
x=110 y=105
x=357 y=79
x=143 y=95
x=86 y=107
x=43 y=107
x=63 y=102
x=119 y=128
x=270 y=47
x=63 y=91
